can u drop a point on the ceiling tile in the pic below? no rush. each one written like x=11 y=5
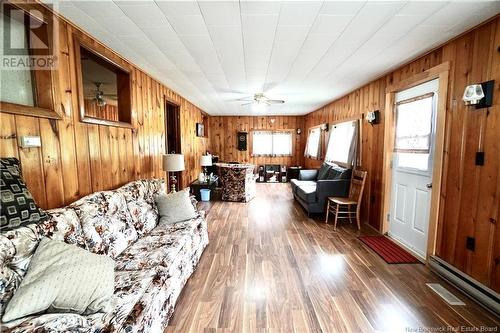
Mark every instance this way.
x=331 y=24
x=299 y=12
x=220 y=12
x=341 y=7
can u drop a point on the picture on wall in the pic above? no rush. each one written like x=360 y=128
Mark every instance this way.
x=200 y=129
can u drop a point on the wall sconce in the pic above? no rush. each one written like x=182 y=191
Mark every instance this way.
x=373 y=117
x=299 y=131
x=480 y=95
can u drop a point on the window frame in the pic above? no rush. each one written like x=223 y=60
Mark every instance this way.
x=322 y=144
x=114 y=61
x=48 y=93
x=292 y=147
x=359 y=148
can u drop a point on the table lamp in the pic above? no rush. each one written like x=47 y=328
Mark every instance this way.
x=173 y=163
x=206 y=160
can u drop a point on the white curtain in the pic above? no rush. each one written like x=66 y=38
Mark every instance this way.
x=282 y=143
x=272 y=143
x=262 y=143
x=313 y=145
x=414 y=125
x=343 y=143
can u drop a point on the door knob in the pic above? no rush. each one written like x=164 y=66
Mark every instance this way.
x=429 y=185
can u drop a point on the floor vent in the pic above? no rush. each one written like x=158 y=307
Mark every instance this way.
x=445 y=294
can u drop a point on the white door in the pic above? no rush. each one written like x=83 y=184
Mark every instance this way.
x=415 y=116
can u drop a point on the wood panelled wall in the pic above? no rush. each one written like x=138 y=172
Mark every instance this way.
x=76 y=158
x=223 y=138
x=470 y=193
x=108 y=111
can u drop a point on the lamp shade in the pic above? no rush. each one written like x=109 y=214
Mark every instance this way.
x=173 y=162
x=206 y=160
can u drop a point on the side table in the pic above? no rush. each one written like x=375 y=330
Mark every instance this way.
x=196 y=186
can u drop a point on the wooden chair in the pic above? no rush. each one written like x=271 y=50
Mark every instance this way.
x=341 y=207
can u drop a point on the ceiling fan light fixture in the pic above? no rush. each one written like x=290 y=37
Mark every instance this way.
x=259 y=107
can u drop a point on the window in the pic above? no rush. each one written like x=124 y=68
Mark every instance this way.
x=414 y=125
x=104 y=88
x=412 y=141
x=26 y=85
x=342 y=143
x=272 y=143
x=313 y=145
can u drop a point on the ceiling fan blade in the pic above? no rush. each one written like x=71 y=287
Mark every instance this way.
x=275 y=101
x=247 y=103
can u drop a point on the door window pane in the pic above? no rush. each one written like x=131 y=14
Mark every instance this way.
x=414 y=126
x=413 y=161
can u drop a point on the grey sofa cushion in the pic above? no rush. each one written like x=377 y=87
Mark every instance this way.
x=337 y=172
x=295 y=183
x=307 y=193
x=323 y=171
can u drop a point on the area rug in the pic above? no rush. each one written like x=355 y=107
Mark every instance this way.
x=388 y=250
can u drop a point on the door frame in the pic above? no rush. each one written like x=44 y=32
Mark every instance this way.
x=440 y=72
x=167 y=101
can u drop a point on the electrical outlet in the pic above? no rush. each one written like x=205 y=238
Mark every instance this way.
x=30 y=141
x=470 y=244
x=480 y=158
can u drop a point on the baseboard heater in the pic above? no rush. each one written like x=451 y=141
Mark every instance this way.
x=485 y=296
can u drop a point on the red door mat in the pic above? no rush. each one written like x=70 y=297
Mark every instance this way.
x=388 y=250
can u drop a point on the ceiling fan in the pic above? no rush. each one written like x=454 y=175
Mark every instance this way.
x=99 y=96
x=260 y=98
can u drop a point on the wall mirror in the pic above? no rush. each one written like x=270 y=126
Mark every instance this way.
x=104 y=88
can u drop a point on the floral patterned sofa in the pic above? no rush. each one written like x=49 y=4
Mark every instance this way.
x=237 y=181
x=153 y=262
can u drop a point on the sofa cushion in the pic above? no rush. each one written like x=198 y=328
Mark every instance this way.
x=307 y=193
x=106 y=222
x=63 y=278
x=142 y=210
x=338 y=172
x=295 y=183
x=63 y=225
x=16 y=249
x=17 y=206
x=323 y=171
x=160 y=247
x=130 y=287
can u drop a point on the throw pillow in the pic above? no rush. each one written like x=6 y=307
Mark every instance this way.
x=337 y=172
x=63 y=278
x=175 y=207
x=323 y=171
x=17 y=206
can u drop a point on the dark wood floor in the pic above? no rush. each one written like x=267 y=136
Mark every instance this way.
x=269 y=267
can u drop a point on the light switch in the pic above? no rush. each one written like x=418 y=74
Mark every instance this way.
x=30 y=141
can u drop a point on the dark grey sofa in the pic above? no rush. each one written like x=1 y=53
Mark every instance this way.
x=313 y=187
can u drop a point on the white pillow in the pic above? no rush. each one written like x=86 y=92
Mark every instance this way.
x=175 y=207
x=63 y=278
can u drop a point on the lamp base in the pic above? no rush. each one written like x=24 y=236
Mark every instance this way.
x=173 y=182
